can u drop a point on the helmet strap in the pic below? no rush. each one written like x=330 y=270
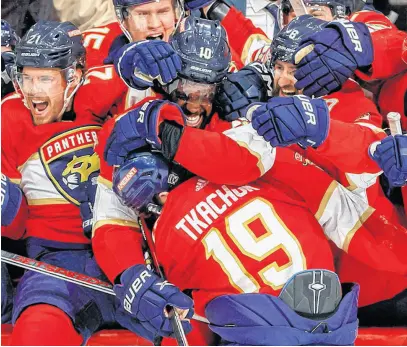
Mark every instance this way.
x=125 y=31
x=68 y=99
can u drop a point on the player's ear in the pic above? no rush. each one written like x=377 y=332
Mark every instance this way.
x=76 y=79
x=162 y=197
x=78 y=76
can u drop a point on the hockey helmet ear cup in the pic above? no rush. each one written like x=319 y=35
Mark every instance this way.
x=313 y=294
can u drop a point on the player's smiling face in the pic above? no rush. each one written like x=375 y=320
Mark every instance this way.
x=195 y=99
x=151 y=21
x=43 y=90
x=284 y=80
x=195 y=112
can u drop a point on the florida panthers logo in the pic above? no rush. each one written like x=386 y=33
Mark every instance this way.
x=79 y=169
x=70 y=161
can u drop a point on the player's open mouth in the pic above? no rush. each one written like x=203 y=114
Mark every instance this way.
x=155 y=37
x=287 y=93
x=194 y=121
x=40 y=106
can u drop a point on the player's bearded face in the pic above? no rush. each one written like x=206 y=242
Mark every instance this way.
x=43 y=90
x=151 y=21
x=284 y=80
x=194 y=98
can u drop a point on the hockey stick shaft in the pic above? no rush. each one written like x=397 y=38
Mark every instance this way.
x=64 y=274
x=394 y=120
x=57 y=272
x=173 y=314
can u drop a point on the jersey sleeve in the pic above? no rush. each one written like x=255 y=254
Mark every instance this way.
x=13 y=115
x=11 y=133
x=248 y=43
x=16 y=229
x=347 y=146
x=101 y=94
x=355 y=124
x=388 y=43
x=116 y=238
x=236 y=156
x=97 y=42
x=393 y=97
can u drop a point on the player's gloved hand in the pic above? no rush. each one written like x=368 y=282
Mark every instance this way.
x=287 y=120
x=196 y=4
x=140 y=63
x=131 y=323
x=339 y=49
x=11 y=197
x=145 y=297
x=237 y=91
x=86 y=206
x=7 y=62
x=138 y=127
x=391 y=155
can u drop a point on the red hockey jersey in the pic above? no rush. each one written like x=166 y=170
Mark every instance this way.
x=50 y=162
x=102 y=95
x=247 y=239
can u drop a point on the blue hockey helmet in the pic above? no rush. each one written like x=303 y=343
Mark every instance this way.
x=204 y=50
x=140 y=179
x=9 y=38
x=50 y=44
x=288 y=39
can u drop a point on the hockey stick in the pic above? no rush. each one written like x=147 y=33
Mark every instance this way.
x=393 y=118
x=57 y=272
x=172 y=313
x=65 y=275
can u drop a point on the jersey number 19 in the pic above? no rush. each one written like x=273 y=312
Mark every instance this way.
x=277 y=236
